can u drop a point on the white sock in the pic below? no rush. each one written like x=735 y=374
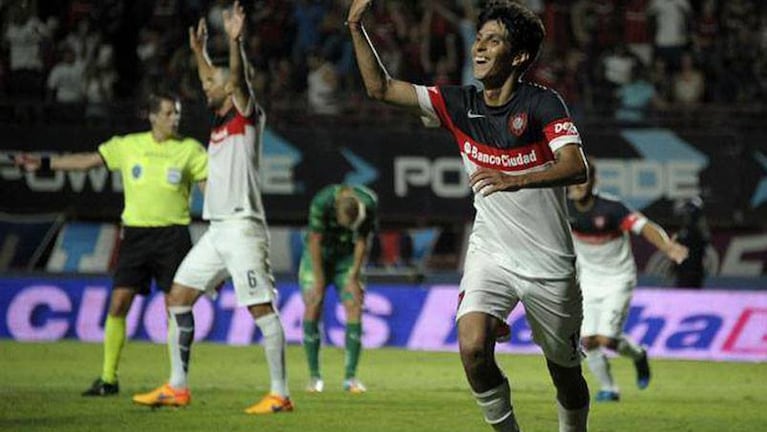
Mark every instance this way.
x=274 y=347
x=600 y=367
x=180 y=337
x=573 y=420
x=629 y=348
x=497 y=409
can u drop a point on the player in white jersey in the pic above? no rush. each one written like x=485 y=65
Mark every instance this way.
x=237 y=242
x=601 y=224
x=520 y=148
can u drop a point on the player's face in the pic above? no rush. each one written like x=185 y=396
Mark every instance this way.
x=165 y=121
x=215 y=89
x=491 y=52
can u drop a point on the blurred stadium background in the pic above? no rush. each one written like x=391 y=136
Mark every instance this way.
x=669 y=101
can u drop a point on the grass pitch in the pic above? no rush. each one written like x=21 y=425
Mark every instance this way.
x=40 y=387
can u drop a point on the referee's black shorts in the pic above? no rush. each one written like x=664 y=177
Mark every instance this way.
x=150 y=253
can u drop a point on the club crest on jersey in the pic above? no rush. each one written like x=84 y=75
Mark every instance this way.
x=136 y=171
x=600 y=222
x=518 y=123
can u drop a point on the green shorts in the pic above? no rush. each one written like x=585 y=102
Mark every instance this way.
x=336 y=272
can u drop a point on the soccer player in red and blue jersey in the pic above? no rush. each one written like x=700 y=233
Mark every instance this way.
x=520 y=148
x=601 y=224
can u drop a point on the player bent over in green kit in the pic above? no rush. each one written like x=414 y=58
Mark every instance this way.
x=158 y=169
x=341 y=219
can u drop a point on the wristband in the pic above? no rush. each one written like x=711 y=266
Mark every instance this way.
x=351 y=23
x=45 y=164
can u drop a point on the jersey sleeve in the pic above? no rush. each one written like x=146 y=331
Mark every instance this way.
x=321 y=204
x=112 y=153
x=198 y=162
x=631 y=220
x=432 y=106
x=558 y=127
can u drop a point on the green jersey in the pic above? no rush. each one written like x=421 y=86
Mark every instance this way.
x=338 y=241
x=157 y=177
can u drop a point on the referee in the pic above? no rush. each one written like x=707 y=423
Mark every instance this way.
x=158 y=169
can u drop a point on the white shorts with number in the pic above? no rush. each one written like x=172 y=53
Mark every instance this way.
x=605 y=304
x=238 y=248
x=553 y=307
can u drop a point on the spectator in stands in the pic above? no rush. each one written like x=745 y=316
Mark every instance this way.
x=671 y=22
x=636 y=32
x=99 y=80
x=341 y=220
x=65 y=86
x=25 y=36
x=689 y=85
x=636 y=98
x=158 y=168
x=322 y=85
x=466 y=23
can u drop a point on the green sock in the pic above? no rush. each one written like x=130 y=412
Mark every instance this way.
x=114 y=340
x=353 y=348
x=312 y=347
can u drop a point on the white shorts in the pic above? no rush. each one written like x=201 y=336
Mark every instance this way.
x=552 y=306
x=238 y=248
x=605 y=305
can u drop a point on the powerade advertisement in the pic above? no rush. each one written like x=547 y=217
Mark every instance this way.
x=696 y=325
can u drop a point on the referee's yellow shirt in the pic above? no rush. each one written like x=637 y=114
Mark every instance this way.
x=157 y=177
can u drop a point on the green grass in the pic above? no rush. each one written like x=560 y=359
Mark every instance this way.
x=40 y=387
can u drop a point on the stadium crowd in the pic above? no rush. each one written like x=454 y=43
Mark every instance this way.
x=624 y=58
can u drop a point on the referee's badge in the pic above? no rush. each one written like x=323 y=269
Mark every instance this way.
x=136 y=171
x=174 y=176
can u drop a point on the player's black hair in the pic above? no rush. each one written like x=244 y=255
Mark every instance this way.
x=525 y=30
x=155 y=98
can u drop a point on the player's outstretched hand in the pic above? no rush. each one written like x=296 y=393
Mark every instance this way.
x=197 y=37
x=677 y=252
x=357 y=10
x=234 y=21
x=489 y=181
x=27 y=161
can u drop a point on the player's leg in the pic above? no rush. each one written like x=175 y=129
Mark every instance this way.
x=596 y=358
x=352 y=295
x=485 y=299
x=611 y=331
x=597 y=361
x=554 y=311
x=313 y=297
x=244 y=246
x=202 y=270
x=131 y=274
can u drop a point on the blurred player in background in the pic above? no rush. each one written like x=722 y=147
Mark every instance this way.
x=607 y=271
x=520 y=148
x=341 y=220
x=158 y=169
x=237 y=241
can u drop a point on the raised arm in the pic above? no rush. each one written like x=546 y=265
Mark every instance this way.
x=656 y=235
x=378 y=83
x=70 y=162
x=234 y=24
x=569 y=167
x=198 y=39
